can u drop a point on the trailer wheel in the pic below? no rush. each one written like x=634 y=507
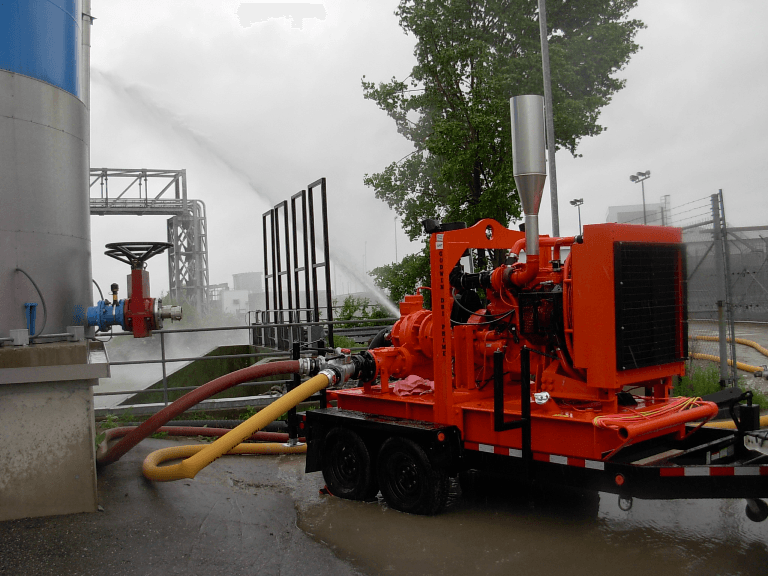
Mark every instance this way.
x=757 y=510
x=347 y=468
x=408 y=480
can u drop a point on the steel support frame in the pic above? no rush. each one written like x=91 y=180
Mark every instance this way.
x=187 y=229
x=292 y=263
x=188 y=276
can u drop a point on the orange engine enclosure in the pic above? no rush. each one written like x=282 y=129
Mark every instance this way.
x=426 y=344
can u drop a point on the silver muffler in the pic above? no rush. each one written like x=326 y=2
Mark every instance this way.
x=529 y=163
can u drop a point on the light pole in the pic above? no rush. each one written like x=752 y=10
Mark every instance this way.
x=578 y=202
x=642 y=177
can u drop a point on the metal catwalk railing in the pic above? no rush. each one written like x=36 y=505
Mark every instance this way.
x=293 y=329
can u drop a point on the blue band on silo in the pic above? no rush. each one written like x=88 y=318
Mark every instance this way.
x=41 y=39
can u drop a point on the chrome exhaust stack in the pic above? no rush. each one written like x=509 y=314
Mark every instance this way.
x=529 y=163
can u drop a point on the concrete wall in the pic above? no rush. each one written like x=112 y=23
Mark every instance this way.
x=47 y=434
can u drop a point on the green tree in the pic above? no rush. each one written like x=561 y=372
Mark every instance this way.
x=353 y=308
x=404 y=277
x=471 y=57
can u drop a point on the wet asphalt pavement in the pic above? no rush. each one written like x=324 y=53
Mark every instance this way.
x=238 y=517
x=262 y=515
x=256 y=515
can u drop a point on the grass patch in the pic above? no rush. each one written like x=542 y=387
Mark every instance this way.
x=343 y=342
x=110 y=421
x=700 y=381
x=196 y=416
x=250 y=411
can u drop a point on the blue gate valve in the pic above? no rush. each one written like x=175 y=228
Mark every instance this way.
x=105 y=315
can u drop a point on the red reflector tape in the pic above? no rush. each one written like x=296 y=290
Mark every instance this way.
x=721 y=471
x=578 y=462
x=539 y=457
x=471 y=445
x=671 y=471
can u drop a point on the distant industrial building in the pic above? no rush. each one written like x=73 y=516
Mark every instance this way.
x=655 y=214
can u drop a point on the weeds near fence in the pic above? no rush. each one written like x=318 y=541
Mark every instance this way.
x=700 y=381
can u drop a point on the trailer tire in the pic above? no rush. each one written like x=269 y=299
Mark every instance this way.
x=757 y=510
x=408 y=480
x=347 y=466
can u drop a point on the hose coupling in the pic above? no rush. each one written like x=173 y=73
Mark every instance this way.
x=171 y=313
x=344 y=366
x=332 y=375
x=311 y=366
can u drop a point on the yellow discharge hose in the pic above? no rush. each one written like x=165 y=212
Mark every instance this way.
x=744 y=341
x=153 y=471
x=730 y=425
x=198 y=457
x=713 y=358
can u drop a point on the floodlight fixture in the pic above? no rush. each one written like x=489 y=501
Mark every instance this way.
x=642 y=177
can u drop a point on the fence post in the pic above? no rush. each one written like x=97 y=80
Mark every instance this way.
x=293 y=419
x=721 y=282
x=728 y=290
x=165 y=377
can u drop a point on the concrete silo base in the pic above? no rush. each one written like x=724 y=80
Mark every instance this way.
x=47 y=430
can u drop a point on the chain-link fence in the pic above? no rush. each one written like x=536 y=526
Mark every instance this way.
x=727 y=274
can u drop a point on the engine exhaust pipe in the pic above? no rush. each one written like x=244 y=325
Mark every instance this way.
x=529 y=165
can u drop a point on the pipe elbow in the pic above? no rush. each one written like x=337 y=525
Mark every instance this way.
x=523 y=275
x=518 y=246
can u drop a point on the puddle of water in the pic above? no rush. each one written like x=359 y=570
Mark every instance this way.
x=498 y=528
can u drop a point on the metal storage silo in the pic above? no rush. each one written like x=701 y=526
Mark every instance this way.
x=44 y=161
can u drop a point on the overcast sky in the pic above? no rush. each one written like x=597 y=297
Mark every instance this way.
x=257 y=108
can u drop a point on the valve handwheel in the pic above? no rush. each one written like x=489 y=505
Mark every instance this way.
x=135 y=253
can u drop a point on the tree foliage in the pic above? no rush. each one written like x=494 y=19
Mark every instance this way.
x=353 y=308
x=471 y=57
x=404 y=277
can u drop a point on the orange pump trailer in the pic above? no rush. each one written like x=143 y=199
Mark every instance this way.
x=540 y=381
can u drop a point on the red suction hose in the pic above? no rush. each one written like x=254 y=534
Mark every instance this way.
x=220 y=384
